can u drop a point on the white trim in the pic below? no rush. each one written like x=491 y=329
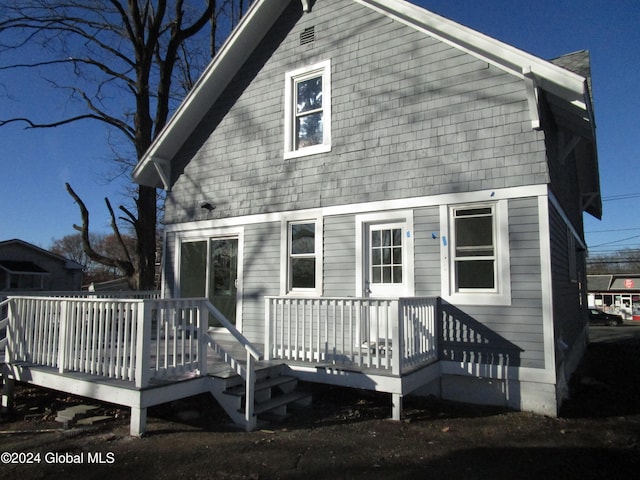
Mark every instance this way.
x=556 y=204
x=361 y=222
x=312 y=216
x=546 y=285
x=502 y=293
x=550 y=77
x=368 y=207
x=323 y=69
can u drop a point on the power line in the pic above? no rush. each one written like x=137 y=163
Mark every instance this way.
x=624 y=196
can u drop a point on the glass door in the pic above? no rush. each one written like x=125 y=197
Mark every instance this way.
x=209 y=268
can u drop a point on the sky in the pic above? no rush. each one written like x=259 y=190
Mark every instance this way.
x=36 y=208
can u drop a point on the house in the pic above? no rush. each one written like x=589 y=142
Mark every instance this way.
x=25 y=267
x=617 y=293
x=354 y=150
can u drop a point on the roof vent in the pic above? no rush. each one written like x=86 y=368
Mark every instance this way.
x=308 y=36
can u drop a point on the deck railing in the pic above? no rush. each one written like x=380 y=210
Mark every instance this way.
x=388 y=334
x=108 y=338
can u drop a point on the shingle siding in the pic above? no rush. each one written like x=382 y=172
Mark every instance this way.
x=411 y=116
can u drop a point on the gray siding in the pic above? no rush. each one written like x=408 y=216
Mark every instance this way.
x=411 y=116
x=569 y=317
x=427 y=271
x=516 y=329
x=340 y=257
x=261 y=265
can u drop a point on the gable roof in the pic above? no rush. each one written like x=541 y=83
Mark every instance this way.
x=68 y=264
x=566 y=91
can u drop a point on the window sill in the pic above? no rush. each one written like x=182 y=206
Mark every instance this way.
x=480 y=298
x=304 y=152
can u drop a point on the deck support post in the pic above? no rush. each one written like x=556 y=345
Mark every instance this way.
x=138 y=421
x=8 y=388
x=250 y=385
x=396 y=406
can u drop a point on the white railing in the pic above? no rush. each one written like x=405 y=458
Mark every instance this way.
x=108 y=338
x=113 y=294
x=389 y=334
x=248 y=373
x=4 y=322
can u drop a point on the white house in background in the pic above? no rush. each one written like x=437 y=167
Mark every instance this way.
x=339 y=152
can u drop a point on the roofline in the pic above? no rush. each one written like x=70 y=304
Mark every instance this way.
x=236 y=49
x=558 y=80
x=153 y=169
x=69 y=264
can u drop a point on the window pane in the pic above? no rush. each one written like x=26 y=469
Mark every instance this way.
x=475 y=274
x=397 y=236
x=303 y=238
x=397 y=256
x=386 y=238
x=377 y=275
x=309 y=130
x=397 y=274
x=386 y=275
x=193 y=269
x=376 y=257
x=474 y=231
x=375 y=238
x=309 y=95
x=303 y=272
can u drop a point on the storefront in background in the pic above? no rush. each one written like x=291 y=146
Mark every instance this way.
x=619 y=294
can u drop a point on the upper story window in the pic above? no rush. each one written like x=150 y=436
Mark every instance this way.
x=308 y=111
x=476 y=262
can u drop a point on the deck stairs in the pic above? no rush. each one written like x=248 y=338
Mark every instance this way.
x=275 y=392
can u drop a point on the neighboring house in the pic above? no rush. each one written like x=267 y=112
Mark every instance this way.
x=372 y=149
x=617 y=293
x=25 y=267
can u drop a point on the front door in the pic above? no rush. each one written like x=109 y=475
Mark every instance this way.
x=209 y=268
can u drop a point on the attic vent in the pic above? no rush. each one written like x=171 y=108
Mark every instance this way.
x=308 y=36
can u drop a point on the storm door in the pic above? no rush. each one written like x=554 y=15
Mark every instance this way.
x=209 y=268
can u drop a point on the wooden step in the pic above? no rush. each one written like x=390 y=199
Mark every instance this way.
x=283 y=400
x=267 y=383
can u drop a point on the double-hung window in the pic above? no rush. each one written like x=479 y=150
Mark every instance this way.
x=302 y=256
x=308 y=111
x=476 y=254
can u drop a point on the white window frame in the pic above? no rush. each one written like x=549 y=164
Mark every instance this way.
x=285 y=257
x=291 y=79
x=501 y=293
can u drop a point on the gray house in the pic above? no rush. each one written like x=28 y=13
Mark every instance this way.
x=388 y=200
x=25 y=267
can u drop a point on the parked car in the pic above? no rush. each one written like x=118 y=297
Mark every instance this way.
x=598 y=317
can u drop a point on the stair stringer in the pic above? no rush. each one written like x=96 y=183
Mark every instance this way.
x=231 y=405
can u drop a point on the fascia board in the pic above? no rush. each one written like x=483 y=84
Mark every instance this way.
x=558 y=80
x=216 y=77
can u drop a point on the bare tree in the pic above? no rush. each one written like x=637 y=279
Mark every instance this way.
x=126 y=64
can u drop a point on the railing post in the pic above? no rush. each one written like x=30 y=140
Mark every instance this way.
x=63 y=346
x=11 y=326
x=267 y=329
x=143 y=343
x=202 y=338
x=397 y=337
x=250 y=394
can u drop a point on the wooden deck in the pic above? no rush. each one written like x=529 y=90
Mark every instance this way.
x=143 y=352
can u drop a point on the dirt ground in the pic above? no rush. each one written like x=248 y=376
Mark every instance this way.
x=346 y=434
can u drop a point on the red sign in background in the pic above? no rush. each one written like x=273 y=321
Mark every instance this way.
x=628 y=283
